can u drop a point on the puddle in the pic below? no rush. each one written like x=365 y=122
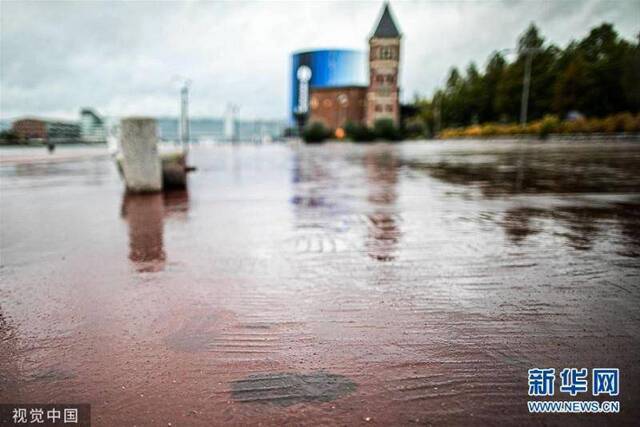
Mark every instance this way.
x=286 y=389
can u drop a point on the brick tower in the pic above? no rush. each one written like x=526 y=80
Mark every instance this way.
x=384 y=64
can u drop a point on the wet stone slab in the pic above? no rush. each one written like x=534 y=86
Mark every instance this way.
x=196 y=334
x=52 y=375
x=287 y=388
x=433 y=275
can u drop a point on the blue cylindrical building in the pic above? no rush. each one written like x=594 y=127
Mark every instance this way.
x=324 y=68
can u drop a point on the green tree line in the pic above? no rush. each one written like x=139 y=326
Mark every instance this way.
x=596 y=76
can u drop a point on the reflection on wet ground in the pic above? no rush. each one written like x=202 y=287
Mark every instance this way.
x=540 y=168
x=582 y=188
x=583 y=225
x=145 y=215
x=382 y=178
x=334 y=284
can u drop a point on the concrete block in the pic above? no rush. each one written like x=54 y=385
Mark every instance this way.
x=141 y=165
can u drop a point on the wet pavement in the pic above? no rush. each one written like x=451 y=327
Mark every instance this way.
x=336 y=284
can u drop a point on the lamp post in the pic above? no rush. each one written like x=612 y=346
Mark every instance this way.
x=526 y=83
x=342 y=101
x=183 y=123
x=526 y=80
x=438 y=115
x=301 y=120
x=184 y=115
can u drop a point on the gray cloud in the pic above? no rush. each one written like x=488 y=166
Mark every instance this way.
x=121 y=57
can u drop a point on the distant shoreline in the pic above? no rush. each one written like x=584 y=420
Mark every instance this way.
x=634 y=136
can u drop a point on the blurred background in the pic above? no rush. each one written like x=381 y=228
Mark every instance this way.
x=462 y=63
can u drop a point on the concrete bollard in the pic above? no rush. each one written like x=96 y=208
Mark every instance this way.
x=140 y=159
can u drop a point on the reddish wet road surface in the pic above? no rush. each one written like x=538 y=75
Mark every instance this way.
x=338 y=284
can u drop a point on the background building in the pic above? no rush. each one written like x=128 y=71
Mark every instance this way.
x=30 y=128
x=383 y=95
x=92 y=127
x=332 y=86
x=46 y=130
x=334 y=107
x=323 y=71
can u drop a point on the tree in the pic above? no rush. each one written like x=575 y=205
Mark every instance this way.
x=493 y=75
x=530 y=39
x=571 y=83
x=509 y=92
x=630 y=73
x=604 y=54
x=315 y=132
x=453 y=109
x=385 y=129
x=544 y=74
x=9 y=137
x=358 y=132
x=596 y=76
x=473 y=91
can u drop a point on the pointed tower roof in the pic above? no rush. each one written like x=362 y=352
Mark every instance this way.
x=386 y=27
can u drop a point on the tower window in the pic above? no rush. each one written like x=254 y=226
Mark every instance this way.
x=378 y=108
x=386 y=52
x=388 y=108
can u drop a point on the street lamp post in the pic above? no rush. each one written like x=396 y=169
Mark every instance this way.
x=438 y=116
x=184 y=115
x=526 y=80
x=343 y=101
x=526 y=84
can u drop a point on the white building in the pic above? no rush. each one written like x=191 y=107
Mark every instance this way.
x=92 y=128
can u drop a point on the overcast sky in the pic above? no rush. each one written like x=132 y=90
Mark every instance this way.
x=122 y=57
